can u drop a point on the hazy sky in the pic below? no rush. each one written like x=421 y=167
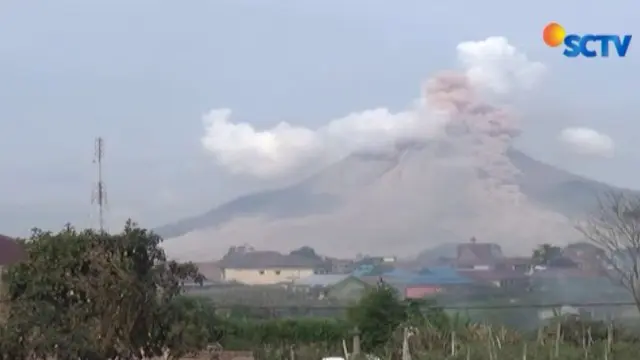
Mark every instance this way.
x=142 y=74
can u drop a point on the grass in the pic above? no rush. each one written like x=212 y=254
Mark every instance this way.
x=477 y=342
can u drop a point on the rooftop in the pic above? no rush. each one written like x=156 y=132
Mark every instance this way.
x=427 y=276
x=266 y=259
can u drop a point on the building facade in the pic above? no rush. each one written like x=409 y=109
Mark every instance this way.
x=266 y=267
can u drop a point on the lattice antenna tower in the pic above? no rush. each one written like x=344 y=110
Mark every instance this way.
x=99 y=196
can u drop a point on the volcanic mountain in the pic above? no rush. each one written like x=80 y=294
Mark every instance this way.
x=443 y=171
x=398 y=201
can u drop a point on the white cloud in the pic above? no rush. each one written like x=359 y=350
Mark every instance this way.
x=240 y=148
x=587 y=141
x=243 y=149
x=496 y=64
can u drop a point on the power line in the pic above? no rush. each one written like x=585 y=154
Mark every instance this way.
x=99 y=195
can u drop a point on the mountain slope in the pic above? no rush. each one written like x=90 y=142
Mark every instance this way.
x=395 y=202
x=316 y=195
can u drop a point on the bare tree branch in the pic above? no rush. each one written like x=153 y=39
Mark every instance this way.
x=615 y=228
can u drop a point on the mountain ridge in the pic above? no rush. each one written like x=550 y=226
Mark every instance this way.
x=374 y=188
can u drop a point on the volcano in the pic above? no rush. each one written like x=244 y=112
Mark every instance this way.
x=397 y=202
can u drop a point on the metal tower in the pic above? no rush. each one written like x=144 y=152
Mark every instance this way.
x=99 y=196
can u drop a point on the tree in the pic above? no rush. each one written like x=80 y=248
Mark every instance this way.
x=92 y=295
x=377 y=315
x=306 y=252
x=545 y=253
x=615 y=228
x=192 y=326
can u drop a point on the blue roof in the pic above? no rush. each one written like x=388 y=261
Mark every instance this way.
x=430 y=276
x=363 y=270
x=400 y=273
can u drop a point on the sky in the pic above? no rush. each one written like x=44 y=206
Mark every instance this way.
x=144 y=74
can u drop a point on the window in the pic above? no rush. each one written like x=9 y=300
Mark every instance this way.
x=261 y=272
x=277 y=272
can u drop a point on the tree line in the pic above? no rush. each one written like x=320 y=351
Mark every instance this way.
x=94 y=295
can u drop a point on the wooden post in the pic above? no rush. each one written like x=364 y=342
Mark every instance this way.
x=406 y=354
x=292 y=352
x=356 y=353
x=356 y=342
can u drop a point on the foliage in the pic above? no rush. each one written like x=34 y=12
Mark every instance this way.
x=545 y=253
x=377 y=315
x=288 y=331
x=381 y=311
x=306 y=252
x=576 y=331
x=93 y=295
x=192 y=325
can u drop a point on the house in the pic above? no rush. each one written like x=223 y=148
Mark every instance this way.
x=316 y=285
x=372 y=269
x=341 y=287
x=350 y=289
x=588 y=257
x=500 y=278
x=253 y=267
x=518 y=264
x=478 y=256
x=340 y=266
x=210 y=270
x=426 y=282
x=574 y=285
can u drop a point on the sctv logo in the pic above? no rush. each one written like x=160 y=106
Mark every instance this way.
x=588 y=45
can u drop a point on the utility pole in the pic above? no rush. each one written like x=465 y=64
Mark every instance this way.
x=100 y=192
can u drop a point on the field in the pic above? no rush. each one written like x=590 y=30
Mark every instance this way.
x=562 y=340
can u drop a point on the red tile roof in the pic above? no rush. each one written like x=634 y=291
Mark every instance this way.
x=10 y=251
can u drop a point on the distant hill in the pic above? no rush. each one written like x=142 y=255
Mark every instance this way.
x=399 y=202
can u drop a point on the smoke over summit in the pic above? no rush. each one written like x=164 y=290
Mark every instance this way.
x=441 y=171
x=486 y=68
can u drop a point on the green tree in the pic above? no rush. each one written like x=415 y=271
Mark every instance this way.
x=92 y=295
x=544 y=253
x=377 y=315
x=306 y=252
x=192 y=325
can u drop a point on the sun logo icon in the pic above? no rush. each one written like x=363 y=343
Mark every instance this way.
x=553 y=34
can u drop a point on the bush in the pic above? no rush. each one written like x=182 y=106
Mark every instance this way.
x=93 y=295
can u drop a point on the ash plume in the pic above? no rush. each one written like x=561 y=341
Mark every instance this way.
x=452 y=103
x=481 y=131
